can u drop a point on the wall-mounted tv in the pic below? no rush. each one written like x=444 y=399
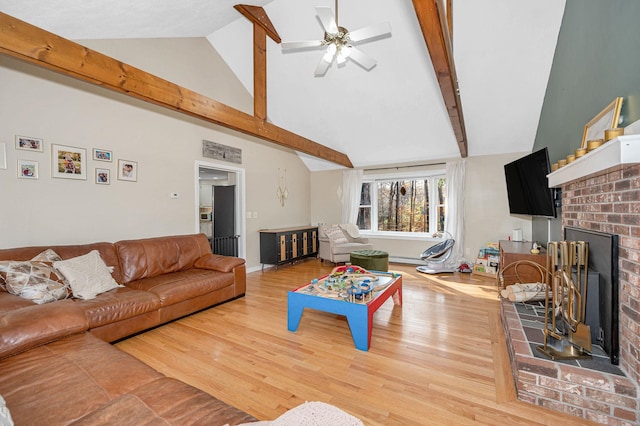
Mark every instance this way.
x=528 y=187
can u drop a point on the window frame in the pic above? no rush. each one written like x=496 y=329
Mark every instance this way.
x=373 y=179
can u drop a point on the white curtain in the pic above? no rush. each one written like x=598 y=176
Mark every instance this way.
x=454 y=218
x=351 y=190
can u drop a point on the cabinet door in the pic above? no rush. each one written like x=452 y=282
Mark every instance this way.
x=282 y=245
x=294 y=245
x=305 y=243
x=314 y=241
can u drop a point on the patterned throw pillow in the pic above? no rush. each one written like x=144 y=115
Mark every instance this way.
x=87 y=275
x=35 y=279
x=336 y=235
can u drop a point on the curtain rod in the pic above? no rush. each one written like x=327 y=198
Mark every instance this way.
x=405 y=167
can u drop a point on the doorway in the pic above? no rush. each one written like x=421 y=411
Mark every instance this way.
x=219 y=206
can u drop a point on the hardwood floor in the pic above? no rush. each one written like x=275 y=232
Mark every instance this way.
x=438 y=359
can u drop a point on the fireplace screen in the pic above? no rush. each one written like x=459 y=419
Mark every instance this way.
x=603 y=259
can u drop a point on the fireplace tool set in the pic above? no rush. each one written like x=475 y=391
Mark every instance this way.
x=566 y=336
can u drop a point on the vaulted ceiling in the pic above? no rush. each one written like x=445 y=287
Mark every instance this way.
x=392 y=114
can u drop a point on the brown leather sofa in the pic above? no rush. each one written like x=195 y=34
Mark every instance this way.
x=56 y=366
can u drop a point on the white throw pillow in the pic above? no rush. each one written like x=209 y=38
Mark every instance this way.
x=336 y=235
x=5 y=416
x=87 y=275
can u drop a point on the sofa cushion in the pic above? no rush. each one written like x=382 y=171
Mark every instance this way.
x=10 y=302
x=216 y=262
x=151 y=257
x=87 y=275
x=24 y=328
x=117 y=305
x=184 y=285
x=167 y=401
x=349 y=247
x=125 y=407
x=66 y=380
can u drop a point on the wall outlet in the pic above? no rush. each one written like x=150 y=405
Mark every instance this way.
x=248 y=215
x=174 y=195
x=255 y=215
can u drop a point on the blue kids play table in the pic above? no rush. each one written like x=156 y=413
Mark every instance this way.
x=348 y=294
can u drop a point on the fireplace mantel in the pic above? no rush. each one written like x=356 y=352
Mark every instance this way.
x=621 y=150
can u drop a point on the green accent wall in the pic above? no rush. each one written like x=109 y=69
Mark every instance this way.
x=597 y=59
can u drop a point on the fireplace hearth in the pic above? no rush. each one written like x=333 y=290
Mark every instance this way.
x=593 y=389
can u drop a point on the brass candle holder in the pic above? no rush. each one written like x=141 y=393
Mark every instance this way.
x=613 y=133
x=593 y=144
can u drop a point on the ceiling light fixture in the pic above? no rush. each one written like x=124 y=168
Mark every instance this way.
x=339 y=42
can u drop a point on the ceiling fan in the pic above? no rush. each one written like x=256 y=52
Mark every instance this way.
x=339 y=42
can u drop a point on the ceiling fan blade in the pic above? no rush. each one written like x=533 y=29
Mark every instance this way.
x=326 y=61
x=370 y=31
x=322 y=68
x=326 y=18
x=301 y=44
x=364 y=60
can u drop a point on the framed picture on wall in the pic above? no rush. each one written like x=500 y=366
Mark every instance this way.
x=127 y=170
x=103 y=176
x=27 y=169
x=29 y=144
x=68 y=162
x=102 y=154
x=606 y=119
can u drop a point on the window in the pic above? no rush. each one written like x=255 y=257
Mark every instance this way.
x=408 y=205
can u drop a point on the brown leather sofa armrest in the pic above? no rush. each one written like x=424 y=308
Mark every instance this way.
x=36 y=325
x=216 y=262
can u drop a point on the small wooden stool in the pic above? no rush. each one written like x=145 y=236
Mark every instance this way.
x=371 y=260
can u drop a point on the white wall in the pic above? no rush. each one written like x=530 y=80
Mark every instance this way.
x=38 y=103
x=486 y=206
x=486 y=211
x=326 y=203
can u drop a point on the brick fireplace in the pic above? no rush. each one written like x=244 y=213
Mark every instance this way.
x=600 y=192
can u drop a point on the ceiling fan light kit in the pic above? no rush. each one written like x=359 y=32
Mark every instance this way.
x=339 y=42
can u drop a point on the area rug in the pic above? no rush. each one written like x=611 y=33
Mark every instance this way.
x=312 y=414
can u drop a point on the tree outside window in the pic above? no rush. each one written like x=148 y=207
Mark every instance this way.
x=403 y=205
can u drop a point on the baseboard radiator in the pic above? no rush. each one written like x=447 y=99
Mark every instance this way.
x=406 y=260
x=227 y=246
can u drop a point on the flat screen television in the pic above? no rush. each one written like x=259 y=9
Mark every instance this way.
x=528 y=187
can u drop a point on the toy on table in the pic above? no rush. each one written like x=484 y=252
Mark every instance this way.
x=349 y=282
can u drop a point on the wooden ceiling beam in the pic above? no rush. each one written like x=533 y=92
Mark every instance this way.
x=433 y=19
x=26 y=42
x=262 y=27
